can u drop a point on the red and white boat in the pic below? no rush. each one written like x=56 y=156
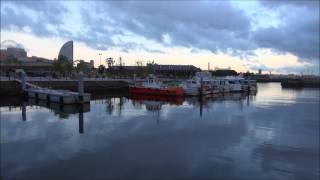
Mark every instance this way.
x=155 y=87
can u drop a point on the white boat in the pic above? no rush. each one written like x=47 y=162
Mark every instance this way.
x=234 y=83
x=252 y=85
x=200 y=84
x=248 y=85
x=221 y=85
x=203 y=84
x=244 y=84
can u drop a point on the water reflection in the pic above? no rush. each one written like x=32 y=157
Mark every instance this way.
x=116 y=102
x=63 y=111
x=121 y=137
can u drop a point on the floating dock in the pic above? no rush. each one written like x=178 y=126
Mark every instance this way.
x=56 y=96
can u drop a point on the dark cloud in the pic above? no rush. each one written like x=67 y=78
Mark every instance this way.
x=206 y=25
x=298 y=33
x=35 y=15
x=312 y=4
x=258 y=67
x=217 y=26
x=303 y=70
x=126 y=46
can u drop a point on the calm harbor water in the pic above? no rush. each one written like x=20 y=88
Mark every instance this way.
x=273 y=134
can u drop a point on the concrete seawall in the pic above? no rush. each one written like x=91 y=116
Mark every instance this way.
x=12 y=87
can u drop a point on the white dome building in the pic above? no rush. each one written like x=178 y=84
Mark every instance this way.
x=67 y=51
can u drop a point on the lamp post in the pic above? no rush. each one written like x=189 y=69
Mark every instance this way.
x=100 y=58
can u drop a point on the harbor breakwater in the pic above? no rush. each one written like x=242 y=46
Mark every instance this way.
x=12 y=87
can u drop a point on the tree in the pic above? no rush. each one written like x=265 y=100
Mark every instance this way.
x=62 y=65
x=84 y=67
x=150 y=68
x=224 y=72
x=101 y=69
x=248 y=74
x=110 y=62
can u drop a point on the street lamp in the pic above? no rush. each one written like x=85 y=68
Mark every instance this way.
x=100 y=58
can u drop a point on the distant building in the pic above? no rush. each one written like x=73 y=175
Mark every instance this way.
x=3 y=55
x=21 y=56
x=11 y=52
x=126 y=68
x=165 y=70
x=92 y=63
x=17 y=52
x=260 y=71
x=31 y=65
x=85 y=66
x=169 y=69
x=67 y=51
x=31 y=68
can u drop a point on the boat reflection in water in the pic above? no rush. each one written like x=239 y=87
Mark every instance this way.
x=163 y=99
x=154 y=103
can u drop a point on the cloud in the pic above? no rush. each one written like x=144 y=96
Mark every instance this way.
x=298 y=33
x=42 y=18
x=311 y=4
x=10 y=43
x=307 y=69
x=214 y=26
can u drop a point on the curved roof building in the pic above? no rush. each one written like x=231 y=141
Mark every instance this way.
x=67 y=51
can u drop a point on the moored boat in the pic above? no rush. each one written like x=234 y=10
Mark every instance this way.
x=200 y=84
x=221 y=85
x=252 y=85
x=234 y=83
x=155 y=87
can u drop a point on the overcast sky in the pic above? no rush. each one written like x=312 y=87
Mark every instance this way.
x=277 y=36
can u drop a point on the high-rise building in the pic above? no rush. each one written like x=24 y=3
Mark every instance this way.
x=67 y=51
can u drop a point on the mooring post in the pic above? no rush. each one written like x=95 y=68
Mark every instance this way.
x=81 y=130
x=23 y=80
x=80 y=87
x=201 y=86
x=24 y=116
